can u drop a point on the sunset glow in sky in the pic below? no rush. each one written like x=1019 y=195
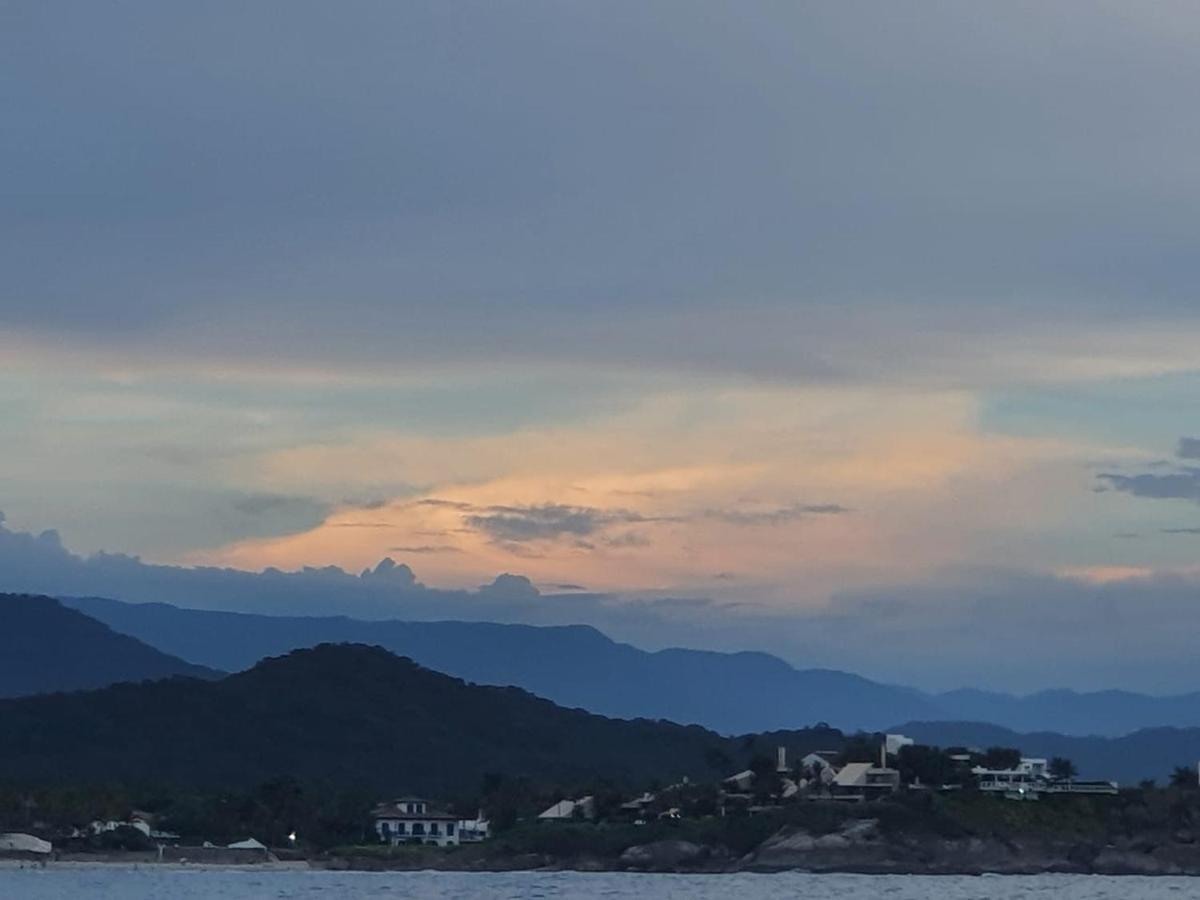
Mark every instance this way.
x=798 y=309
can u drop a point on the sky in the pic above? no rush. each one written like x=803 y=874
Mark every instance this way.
x=862 y=333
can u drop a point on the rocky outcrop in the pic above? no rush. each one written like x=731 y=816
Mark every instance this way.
x=859 y=846
x=664 y=856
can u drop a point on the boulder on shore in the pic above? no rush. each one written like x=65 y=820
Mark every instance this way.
x=662 y=856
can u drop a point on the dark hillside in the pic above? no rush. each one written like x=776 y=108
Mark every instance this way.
x=47 y=647
x=347 y=714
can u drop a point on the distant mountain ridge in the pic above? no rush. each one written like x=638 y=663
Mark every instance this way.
x=576 y=666
x=47 y=647
x=1108 y=713
x=579 y=666
x=348 y=715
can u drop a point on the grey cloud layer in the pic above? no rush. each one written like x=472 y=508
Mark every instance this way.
x=1181 y=484
x=774 y=188
x=520 y=524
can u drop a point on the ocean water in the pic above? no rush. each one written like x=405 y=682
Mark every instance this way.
x=78 y=882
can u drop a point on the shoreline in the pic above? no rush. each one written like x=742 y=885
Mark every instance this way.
x=344 y=864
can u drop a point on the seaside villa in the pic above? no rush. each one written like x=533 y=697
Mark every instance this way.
x=413 y=820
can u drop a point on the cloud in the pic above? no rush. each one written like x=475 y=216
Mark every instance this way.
x=261 y=504
x=538 y=522
x=426 y=548
x=1181 y=485
x=510 y=587
x=775 y=516
x=42 y=564
x=389 y=572
x=519 y=524
x=1179 y=531
x=1189 y=448
x=1128 y=631
x=617 y=140
x=628 y=539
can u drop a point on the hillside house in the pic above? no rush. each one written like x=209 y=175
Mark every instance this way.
x=864 y=781
x=583 y=808
x=414 y=820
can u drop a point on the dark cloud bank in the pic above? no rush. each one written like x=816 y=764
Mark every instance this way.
x=1181 y=484
x=426 y=163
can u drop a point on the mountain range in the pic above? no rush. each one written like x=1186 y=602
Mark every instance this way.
x=576 y=666
x=46 y=646
x=579 y=666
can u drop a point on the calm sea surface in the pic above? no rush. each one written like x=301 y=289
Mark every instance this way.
x=71 y=882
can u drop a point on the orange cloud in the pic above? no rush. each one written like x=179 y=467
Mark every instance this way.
x=797 y=492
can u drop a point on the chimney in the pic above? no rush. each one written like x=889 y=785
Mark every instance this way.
x=883 y=755
x=781 y=757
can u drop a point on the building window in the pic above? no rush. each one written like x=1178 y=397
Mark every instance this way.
x=418 y=827
x=399 y=828
x=384 y=829
x=450 y=829
x=433 y=828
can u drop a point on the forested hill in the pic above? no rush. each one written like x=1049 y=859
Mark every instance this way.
x=46 y=647
x=353 y=715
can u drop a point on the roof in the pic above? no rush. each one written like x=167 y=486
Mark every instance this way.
x=24 y=843
x=248 y=844
x=392 y=810
x=565 y=809
x=852 y=775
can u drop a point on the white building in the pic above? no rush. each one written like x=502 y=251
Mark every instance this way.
x=1028 y=773
x=472 y=831
x=1031 y=778
x=413 y=820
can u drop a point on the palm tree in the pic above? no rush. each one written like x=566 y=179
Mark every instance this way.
x=1062 y=769
x=1184 y=777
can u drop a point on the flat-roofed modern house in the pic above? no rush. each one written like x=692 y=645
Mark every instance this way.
x=414 y=820
x=1031 y=778
x=1028 y=773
